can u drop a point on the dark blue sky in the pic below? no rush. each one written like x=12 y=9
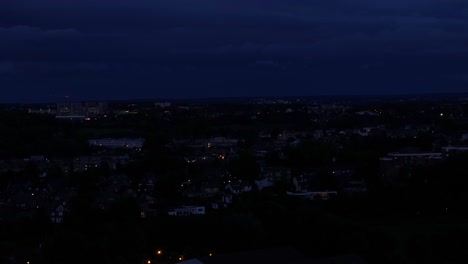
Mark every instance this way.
x=116 y=49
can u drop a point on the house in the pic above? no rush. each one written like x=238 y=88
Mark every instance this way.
x=264 y=183
x=58 y=212
x=147 y=205
x=298 y=183
x=275 y=174
x=226 y=198
x=187 y=210
x=366 y=113
x=210 y=187
x=223 y=201
x=147 y=183
x=131 y=143
x=354 y=188
x=307 y=178
x=261 y=153
x=238 y=186
x=317 y=195
x=119 y=183
x=64 y=165
x=83 y=163
x=288 y=135
x=14 y=165
x=341 y=174
x=264 y=135
x=396 y=168
x=207 y=143
x=105 y=199
x=317 y=134
x=454 y=149
x=365 y=131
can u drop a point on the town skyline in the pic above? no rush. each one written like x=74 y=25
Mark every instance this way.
x=71 y=99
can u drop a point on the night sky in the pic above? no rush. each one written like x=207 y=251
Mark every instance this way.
x=136 y=49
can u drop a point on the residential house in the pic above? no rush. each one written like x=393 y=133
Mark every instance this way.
x=147 y=205
x=187 y=210
x=130 y=143
x=58 y=212
x=396 y=168
x=211 y=187
x=354 y=188
x=264 y=183
x=275 y=174
x=84 y=163
x=315 y=195
x=238 y=186
x=147 y=183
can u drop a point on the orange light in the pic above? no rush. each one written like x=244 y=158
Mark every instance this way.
x=159 y=252
x=211 y=254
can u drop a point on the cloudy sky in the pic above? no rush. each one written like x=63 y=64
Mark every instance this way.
x=115 y=49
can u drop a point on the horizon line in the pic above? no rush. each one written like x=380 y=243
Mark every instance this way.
x=240 y=97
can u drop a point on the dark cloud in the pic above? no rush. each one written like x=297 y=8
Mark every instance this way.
x=211 y=47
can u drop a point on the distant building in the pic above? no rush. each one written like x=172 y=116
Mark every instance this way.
x=276 y=174
x=319 y=195
x=83 y=163
x=85 y=109
x=414 y=157
x=354 y=188
x=48 y=111
x=187 y=210
x=58 y=213
x=264 y=183
x=163 y=104
x=397 y=168
x=363 y=113
x=130 y=143
x=237 y=187
x=452 y=150
x=217 y=142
